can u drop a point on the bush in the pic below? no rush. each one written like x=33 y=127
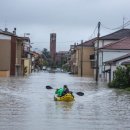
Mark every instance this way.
x=121 y=78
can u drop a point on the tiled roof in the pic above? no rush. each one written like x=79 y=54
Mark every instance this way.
x=117 y=59
x=89 y=43
x=126 y=62
x=117 y=35
x=123 y=44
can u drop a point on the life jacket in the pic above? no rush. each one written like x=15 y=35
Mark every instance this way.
x=59 y=92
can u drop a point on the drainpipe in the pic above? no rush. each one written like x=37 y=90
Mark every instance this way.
x=81 y=58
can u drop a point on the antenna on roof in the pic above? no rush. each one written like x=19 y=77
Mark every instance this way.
x=123 y=22
x=5 y=24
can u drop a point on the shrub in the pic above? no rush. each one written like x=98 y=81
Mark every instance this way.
x=121 y=78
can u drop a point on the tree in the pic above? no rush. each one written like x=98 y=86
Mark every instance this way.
x=46 y=53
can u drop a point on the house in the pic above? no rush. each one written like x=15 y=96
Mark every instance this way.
x=11 y=53
x=61 y=58
x=82 y=62
x=105 y=55
x=113 y=52
x=111 y=65
x=27 y=56
x=72 y=59
x=38 y=61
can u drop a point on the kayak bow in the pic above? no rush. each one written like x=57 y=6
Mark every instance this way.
x=67 y=98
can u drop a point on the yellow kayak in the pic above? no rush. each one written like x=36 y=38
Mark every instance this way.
x=67 y=98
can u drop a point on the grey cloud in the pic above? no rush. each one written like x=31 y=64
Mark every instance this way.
x=63 y=15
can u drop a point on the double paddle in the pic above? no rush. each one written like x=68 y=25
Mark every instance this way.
x=78 y=93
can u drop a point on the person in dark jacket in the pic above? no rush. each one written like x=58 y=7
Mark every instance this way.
x=65 y=90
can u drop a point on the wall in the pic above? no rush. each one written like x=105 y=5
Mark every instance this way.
x=85 y=62
x=5 y=52
x=108 y=55
x=18 y=64
x=113 y=68
x=4 y=73
x=27 y=65
x=104 y=42
x=13 y=55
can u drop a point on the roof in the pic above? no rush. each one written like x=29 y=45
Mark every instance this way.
x=117 y=59
x=7 y=33
x=89 y=43
x=126 y=62
x=117 y=35
x=10 y=34
x=123 y=44
x=26 y=39
x=62 y=52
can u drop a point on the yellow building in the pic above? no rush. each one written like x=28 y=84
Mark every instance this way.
x=82 y=65
x=27 y=58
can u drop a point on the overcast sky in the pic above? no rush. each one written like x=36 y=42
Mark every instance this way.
x=71 y=20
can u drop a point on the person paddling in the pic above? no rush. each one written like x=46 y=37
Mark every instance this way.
x=65 y=89
x=62 y=91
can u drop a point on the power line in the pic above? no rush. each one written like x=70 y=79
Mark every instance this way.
x=57 y=41
x=117 y=28
x=94 y=31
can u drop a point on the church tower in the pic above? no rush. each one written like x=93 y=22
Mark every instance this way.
x=53 y=47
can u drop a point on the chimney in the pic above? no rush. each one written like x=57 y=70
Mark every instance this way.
x=14 y=32
x=6 y=29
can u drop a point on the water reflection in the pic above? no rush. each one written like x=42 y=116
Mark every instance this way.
x=25 y=104
x=65 y=106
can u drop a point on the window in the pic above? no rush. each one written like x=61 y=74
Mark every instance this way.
x=93 y=64
x=92 y=57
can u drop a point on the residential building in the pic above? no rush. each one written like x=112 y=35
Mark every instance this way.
x=81 y=59
x=10 y=54
x=113 y=55
x=105 y=40
x=27 y=56
x=61 y=58
x=111 y=65
x=72 y=59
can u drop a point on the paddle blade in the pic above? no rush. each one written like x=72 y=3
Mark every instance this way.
x=49 y=87
x=80 y=93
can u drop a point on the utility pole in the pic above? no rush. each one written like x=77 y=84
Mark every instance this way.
x=81 y=58
x=97 y=50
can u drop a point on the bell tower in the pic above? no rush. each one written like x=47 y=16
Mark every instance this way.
x=53 y=47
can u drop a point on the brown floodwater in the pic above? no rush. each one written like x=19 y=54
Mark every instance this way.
x=25 y=104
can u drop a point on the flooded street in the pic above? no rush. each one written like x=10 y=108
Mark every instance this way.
x=26 y=104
